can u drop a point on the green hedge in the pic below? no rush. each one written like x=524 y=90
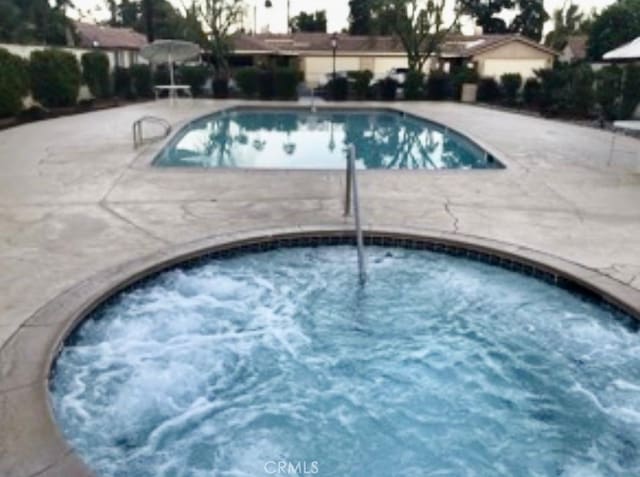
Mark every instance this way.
x=286 y=83
x=248 y=81
x=414 y=85
x=14 y=83
x=489 y=90
x=195 y=77
x=511 y=83
x=630 y=91
x=439 y=86
x=141 y=81
x=95 y=72
x=337 y=89
x=388 y=89
x=531 y=92
x=609 y=91
x=55 y=77
x=122 y=84
x=361 y=82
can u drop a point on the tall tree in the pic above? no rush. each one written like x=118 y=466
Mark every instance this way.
x=486 y=13
x=34 y=21
x=368 y=17
x=531 y=19
x=566 y=22
x=615 y=25
x=420 y=26
x=309 y=22
x=221 y=17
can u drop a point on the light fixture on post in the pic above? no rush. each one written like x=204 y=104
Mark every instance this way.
x=334 y=47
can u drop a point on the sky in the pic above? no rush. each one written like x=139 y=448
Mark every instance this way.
x=274 y=18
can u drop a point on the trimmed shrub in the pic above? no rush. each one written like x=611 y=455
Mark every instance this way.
x=122 y=86
x=439 y=86
x=286 y=83
x=531 y=92
x=567 y=90
x=581 y=94
x=55 y=77
x=414 y=85
x=195 y=77
x=489 y=90
x=266 y=85
x=14 y=83
x=360 y=83
x=140 y=79
x=95 y=73
x=388 y=89
x=220 y=88
x=161 y=75
x=630 y=91
x=511 y=83
x=338 y=89
x=248 y=80
x=609 y=91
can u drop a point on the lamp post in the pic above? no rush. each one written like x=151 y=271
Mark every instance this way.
x=334 y=47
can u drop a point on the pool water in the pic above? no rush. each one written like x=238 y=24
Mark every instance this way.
x=279 y=361
x=300 y=139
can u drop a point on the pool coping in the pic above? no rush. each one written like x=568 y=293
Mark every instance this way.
x=145 y=158
x=32 y=444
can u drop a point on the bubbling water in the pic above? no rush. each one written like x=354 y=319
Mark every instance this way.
x=278 y=363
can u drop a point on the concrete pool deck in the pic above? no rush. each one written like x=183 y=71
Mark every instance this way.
x=75 y=200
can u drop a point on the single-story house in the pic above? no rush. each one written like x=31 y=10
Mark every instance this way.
x=493 y=55
x=122 y=45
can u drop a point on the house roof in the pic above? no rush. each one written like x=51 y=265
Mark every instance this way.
x=98 y=36
x=577 y=45
x=297 y=43
x=628 y=51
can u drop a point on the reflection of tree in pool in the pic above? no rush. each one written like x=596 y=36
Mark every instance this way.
x=251 y=122
x=220 y=143
x=396 y=143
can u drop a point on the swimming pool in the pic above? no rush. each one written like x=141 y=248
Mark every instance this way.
x=440 y=366
x=301 y=139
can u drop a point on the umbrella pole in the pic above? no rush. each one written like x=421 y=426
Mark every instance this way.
x=171 y=91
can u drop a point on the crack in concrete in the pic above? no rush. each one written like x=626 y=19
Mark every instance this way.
x=456 y=221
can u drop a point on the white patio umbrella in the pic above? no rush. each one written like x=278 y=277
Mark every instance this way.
x=627 y=52
x=168 y=51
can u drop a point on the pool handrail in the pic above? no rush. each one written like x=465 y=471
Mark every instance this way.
x=138 y=138
x=352 y=193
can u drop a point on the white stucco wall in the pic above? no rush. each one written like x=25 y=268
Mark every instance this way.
x=526 y=68
x=317 y=67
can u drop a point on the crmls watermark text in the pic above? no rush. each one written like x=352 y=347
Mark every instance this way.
x=284 y=467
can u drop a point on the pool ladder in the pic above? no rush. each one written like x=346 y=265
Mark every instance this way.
x=351 y=203
x=138 y=137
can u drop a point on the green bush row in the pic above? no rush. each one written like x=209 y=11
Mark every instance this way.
x=54 y=77
x=14 y=83
x=268 y=83
x=570 y=90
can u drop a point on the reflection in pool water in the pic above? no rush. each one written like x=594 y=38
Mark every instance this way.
x=300 y=139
